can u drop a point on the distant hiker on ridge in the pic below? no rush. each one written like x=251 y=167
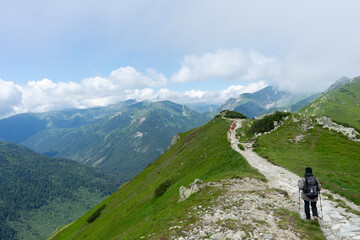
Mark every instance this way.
x=310 y=187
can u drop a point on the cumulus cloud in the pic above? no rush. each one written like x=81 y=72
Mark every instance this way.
x=227 y=64
x=126 y=78
x=46 y=95
x=195 y=96
x=10 y=97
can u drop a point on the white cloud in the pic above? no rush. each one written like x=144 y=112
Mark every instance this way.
x=227 y=64
x=9 y=98
x=122 y=84
x=195 y=96
x=195 y=93
x=46 y=95
x=236 y=90
x=126 y=78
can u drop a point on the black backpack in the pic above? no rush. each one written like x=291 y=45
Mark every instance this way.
x=311 y=188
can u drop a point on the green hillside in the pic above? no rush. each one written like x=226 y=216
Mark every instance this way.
x=342 y=105
x=301 y=143
x=39 y=193
x=134 y=210
x=122 y=138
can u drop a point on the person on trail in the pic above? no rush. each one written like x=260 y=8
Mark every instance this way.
x=310 y=187
x=232 y=127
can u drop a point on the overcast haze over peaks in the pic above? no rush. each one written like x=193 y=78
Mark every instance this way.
x=79 y=54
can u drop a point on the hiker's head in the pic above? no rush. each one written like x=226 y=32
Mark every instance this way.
x=308 y=171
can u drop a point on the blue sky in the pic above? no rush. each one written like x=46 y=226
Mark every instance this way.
x=61 y=54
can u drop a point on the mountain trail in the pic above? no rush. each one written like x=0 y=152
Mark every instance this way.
x=336 y=223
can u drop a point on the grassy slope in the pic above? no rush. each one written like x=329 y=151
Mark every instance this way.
x=133 y=211
x=341 y=105
x=335 y=160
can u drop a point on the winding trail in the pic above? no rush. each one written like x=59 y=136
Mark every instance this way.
x=336 y=222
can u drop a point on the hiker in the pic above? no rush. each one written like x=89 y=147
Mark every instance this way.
x=232 y=127
x=310 y=187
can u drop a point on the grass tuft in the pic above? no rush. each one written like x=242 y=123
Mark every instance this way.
x=292 y=220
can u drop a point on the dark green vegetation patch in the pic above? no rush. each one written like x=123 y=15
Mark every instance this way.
x=266 y=123
x=162 y=188
x=96 y=214
x=233 y=114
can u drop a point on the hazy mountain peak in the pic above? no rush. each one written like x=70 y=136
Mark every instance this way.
x=339 y=83
x=266 y=100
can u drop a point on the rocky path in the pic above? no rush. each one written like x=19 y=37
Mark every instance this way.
x=249 y=210
x=336 y=222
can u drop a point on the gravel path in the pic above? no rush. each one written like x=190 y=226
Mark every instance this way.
x=336 y=222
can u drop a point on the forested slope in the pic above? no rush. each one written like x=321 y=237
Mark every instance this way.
x=40 y=193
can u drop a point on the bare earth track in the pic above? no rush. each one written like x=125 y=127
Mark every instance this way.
x=336 y=222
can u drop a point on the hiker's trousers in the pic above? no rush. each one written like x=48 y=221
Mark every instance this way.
x=313 y=209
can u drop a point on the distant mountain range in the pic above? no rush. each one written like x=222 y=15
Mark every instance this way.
x=39 y=193
x=341 y=102
x=122 y=138
x=267 y=100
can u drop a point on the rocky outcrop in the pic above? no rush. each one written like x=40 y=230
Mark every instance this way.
x=186 y=192
x=349 y=132
x=174 y=140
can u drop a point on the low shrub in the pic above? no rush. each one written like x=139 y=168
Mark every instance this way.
x=161 y=189
x=96 y=214
x=266 y=124
x=233 y=114
x=241 y=147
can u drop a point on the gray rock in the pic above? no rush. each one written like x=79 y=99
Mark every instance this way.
x=240 y=234
x=268 y=236
x=217 y=236
x=186 y=192
x=327 y=123
x=174 y=140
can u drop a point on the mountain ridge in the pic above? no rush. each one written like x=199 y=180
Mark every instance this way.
x=341 y=104
x=118 y=138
